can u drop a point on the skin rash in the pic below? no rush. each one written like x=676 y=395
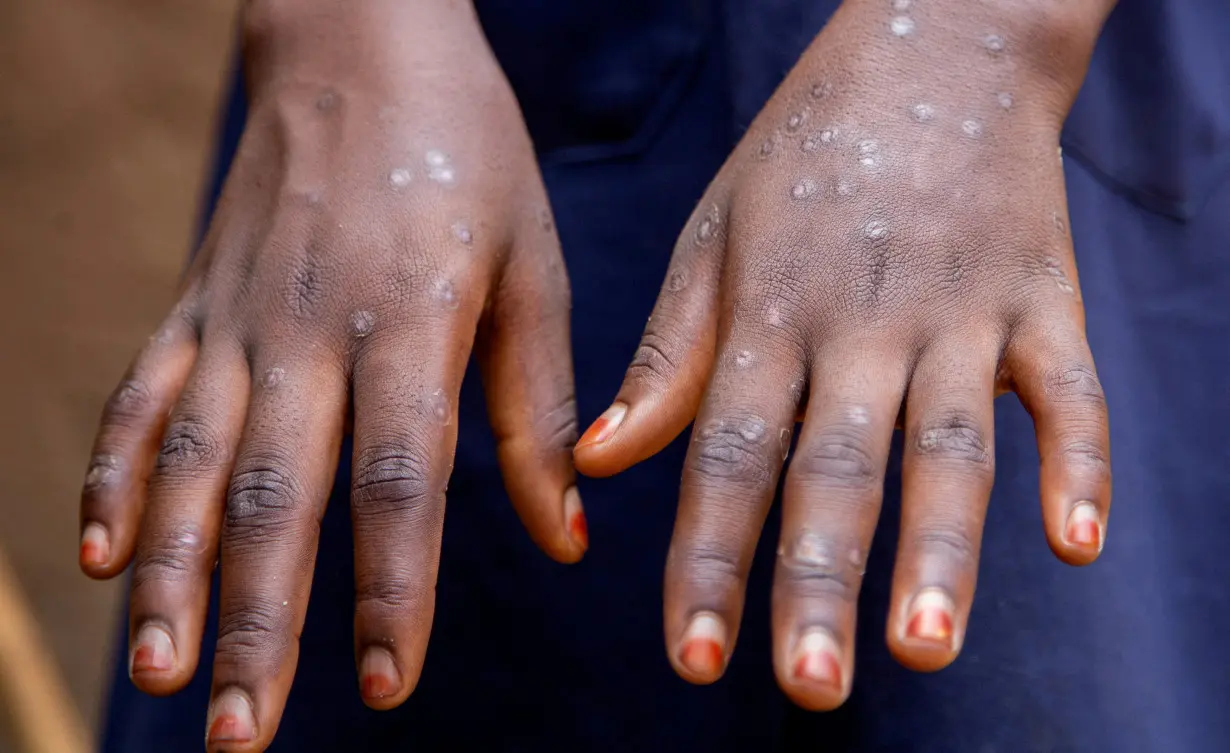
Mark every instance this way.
x=892 y=224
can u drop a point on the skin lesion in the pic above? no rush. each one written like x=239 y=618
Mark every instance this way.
x=361 y=323
x=131 y=399
x=104 y=471
x=399 y=177
x=273 y=377
x=732 y=448
x=956 y=438
x=189 y=444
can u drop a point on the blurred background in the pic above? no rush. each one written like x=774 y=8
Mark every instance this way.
x=106 y=117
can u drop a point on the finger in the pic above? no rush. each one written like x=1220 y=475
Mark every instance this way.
x=178 y=546
x=1053 y=374
x=947 y=472
x=831 y=503
x=526 y=359
x=663 y=386
x=733 y=462
x=123 y=455
x=406 y=387
x=283 y=473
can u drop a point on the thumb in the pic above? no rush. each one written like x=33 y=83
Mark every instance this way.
x=663 y=386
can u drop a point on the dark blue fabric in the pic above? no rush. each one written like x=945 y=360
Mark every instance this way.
x=1126 y=656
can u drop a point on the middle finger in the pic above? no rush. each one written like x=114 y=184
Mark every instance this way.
x=281 y=481
x=947 y=470
x=831 y=504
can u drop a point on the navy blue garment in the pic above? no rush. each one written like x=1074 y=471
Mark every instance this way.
x=633 y=106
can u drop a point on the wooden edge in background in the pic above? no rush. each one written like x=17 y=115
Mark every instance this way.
x=33 y=696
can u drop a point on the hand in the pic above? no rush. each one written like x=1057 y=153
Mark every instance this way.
x=888 y=244
x=385 y=207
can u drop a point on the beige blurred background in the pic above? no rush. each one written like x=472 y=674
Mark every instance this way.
x=106 y=114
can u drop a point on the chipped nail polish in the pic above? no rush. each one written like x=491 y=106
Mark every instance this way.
x=378 y=675
x=574 y=517
x=95 y=545
x=816 y=659
x=152 y=651
x=231 y=719
x=606 y=425
x=703 y=647
x=1084 y=528
x=931 y=616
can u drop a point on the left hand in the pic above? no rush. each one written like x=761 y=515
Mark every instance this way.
x=890 y=236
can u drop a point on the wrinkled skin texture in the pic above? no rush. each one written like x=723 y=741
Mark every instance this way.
x=887 y=246
x=364 y=243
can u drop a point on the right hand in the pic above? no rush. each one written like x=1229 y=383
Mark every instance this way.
x=384 y=211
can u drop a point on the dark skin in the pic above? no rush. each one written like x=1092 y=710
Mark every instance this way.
x=888 y=245
x=862 y=261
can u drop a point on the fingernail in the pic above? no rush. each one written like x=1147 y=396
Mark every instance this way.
x=574 y=517
x=816 y=659
x=378 y=675
x=95 y=545
x=1084 y=527
x=606 y=425
x=231 y=719
x=153 y=651
x=931 y=616
x=703 y=649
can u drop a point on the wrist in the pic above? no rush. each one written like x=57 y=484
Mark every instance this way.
x=1040 y=46
x=372 y=44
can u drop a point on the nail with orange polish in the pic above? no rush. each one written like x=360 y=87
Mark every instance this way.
x=152 y=651
x=815 y=659
x=378 y=675
x=606 y=425
x=95 y=545
x=231 y=719
x=574 y=518
x=703 y=648
x=1084 y=527
x=931 y=617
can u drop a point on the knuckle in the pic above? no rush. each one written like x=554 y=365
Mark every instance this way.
x=956 y=438
x=710 y=565
x=557 y=427
x=813 y=580
x=1090 y=456
x=948 y=543
x=257 y=631
x=842 y=456
x=391 y=481
x=174 y=557
x=261 y=497
x=105 y=472
x=190 y=443
x=733 y=449
x=815 y=566
x=391 y=593
x=160 y=563
x=132 y=400
x=653 y=362
x=1076 y=385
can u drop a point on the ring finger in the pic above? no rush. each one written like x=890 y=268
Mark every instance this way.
x=947 y=471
